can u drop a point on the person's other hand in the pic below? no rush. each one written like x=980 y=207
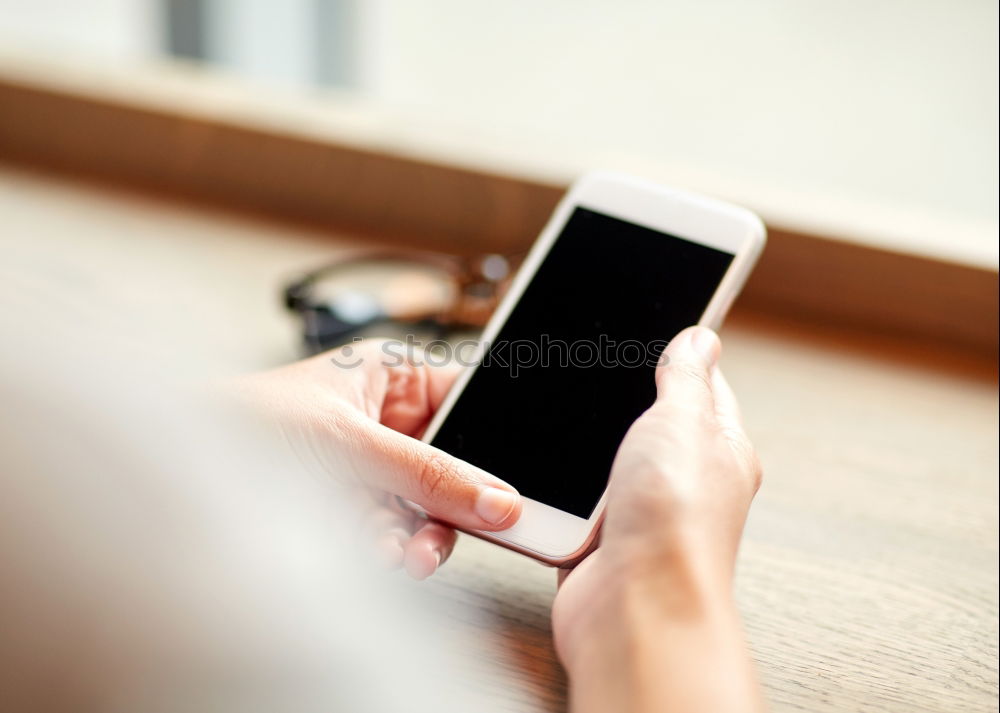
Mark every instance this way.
x=356 y=413
x=679 y=493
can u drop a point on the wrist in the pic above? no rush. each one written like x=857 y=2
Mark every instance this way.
x=647 y=654
x=644 y=596
x=659 y=635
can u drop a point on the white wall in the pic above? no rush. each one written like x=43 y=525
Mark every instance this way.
x=889 y=103
x=117 y=29
x=892 y=101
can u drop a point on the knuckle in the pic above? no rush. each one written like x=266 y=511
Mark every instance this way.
x=746 y=458
x=675 y=421
x=756 y=473
x=671 y=432
x=646 y=473
x=433 y=476
x=692 y=373
x=651 y=492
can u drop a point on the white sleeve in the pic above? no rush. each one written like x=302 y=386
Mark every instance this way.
x=158 y=555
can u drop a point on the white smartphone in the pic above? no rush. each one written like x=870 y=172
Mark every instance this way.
x=566 y=363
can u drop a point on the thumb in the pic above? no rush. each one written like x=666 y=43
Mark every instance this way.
x=446 y=487
x=684 y=374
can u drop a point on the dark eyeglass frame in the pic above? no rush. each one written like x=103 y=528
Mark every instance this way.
x=477 y=295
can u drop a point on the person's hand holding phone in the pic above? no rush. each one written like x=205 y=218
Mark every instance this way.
x=355 y=414
x=648 y=619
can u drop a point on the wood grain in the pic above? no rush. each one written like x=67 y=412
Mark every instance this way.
x=160 y=132
x=868 y=577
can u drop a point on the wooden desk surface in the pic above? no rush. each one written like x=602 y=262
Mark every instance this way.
x=868 y=576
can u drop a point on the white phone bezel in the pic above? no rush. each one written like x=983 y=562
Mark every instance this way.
x=544 y=532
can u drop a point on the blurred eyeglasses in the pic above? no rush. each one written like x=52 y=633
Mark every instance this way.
x=397 y=293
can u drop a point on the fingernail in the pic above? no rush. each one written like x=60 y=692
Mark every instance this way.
x=495 y=505
x=706 y=346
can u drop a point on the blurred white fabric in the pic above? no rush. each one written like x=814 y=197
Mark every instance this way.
x=160 y=553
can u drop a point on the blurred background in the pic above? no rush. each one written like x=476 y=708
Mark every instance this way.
x=887 y=108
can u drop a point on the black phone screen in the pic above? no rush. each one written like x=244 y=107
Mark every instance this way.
x=573 y=366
